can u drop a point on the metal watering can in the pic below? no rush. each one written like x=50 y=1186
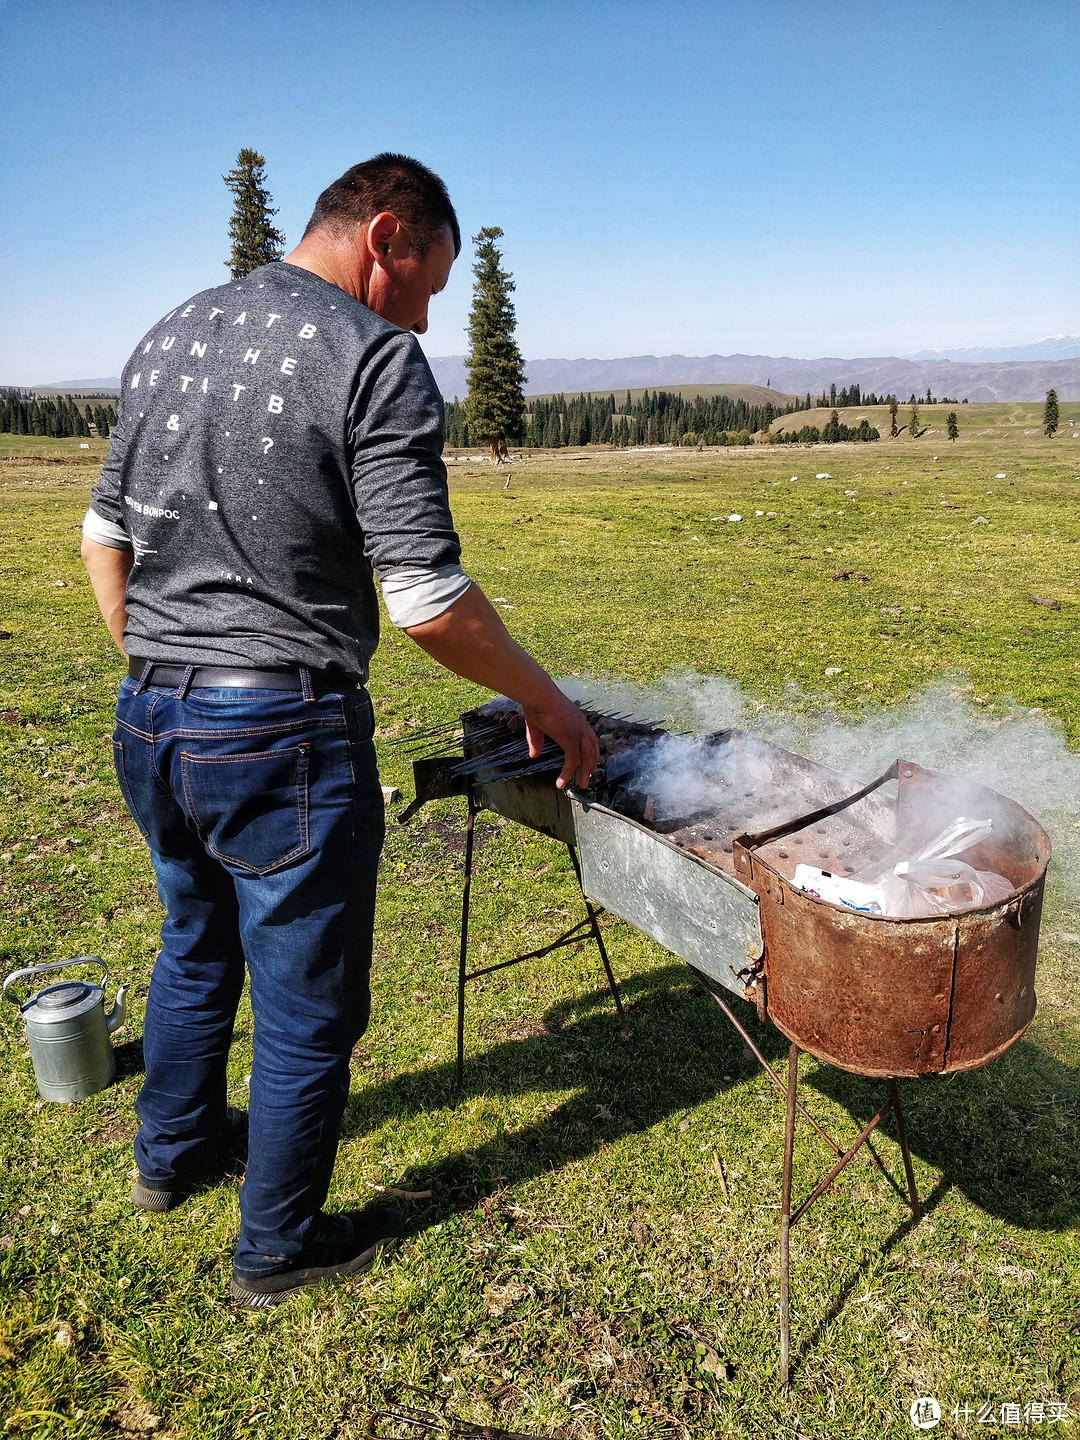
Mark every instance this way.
x=68 y=1030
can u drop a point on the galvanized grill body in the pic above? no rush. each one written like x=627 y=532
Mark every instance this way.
x=870 y=993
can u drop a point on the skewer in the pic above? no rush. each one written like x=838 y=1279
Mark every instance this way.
x=426 y=733
x=499 y=760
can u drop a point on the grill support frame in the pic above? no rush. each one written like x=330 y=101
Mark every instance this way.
x=568 y=937
x=788 y=1219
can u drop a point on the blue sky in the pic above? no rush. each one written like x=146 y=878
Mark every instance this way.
x=801 y=177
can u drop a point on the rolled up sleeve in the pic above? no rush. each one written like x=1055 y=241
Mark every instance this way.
x=105 y=532
x=413 y=596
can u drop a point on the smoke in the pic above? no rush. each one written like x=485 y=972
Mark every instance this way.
x=1018 y=752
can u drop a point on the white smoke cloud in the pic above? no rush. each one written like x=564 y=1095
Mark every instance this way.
x=1019 y=752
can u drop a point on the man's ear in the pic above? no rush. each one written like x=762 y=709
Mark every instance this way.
x=383 y=234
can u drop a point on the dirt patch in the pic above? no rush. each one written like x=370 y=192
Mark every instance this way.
x=522 y=1027
x=133 y=1416
x=449 y=835
x=117 y=1131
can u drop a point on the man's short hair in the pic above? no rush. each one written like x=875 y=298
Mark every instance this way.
x=394 y=183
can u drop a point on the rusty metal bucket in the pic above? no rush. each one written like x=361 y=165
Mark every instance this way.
x=886 y=996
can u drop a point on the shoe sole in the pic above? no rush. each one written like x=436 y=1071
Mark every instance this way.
x=147 y=1197
x=292 y=1282
x=233 y=1159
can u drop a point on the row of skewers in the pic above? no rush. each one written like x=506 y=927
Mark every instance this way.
x=495 y=743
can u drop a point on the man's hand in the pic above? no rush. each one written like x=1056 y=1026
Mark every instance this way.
x=470 y=639
x=567 y=726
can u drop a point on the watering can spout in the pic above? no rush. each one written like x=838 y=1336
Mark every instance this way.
x=116 y=1016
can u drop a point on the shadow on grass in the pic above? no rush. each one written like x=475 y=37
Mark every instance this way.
x=1003 y=1135
x=809 y=1343
x=1006 y=1135
x=129 y=1058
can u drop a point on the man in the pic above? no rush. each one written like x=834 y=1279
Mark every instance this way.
x=279 y=439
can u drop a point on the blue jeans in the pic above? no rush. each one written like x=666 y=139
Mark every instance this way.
x=264 y=818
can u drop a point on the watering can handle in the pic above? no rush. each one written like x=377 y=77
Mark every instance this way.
x=55 y=965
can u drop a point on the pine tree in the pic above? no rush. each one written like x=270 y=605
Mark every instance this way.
x=951 y=426
x=893 y=407
x=255 y=241
x=495 y=406
x=1050 y=413
x=913 y=423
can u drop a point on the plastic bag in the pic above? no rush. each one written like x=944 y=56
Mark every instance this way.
x=961 y=835
x=935 y=882
x=936 y=887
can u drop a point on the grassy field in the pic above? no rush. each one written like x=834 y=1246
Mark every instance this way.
x=979 y=421
x=578 y=1268
x=19 y=450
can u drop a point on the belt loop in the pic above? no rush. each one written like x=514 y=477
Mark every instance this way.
x=180 y=693
x=306 y=685
x=144 y=677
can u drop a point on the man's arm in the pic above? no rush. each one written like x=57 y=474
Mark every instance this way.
x=108 y=569
x=470 y=639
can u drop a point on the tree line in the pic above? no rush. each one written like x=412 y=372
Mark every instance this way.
x=56 y=416
x=657 y=418
x=830 y=433
x=853 y=395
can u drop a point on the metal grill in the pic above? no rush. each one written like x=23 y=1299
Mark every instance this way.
x=878 y=995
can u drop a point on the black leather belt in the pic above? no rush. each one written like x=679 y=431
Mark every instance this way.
x=235 y=677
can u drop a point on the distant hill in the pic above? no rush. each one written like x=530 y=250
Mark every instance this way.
x=78 y=387
x=990 y=381
x=1017 y=372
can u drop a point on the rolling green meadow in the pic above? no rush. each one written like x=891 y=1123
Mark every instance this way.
x=593 y=1226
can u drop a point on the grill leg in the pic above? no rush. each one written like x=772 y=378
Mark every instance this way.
x=466 y=888
x=598 y=937
x=901 y=1135
x=785 y=1218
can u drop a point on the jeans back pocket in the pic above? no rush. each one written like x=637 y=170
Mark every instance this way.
x=251 y=809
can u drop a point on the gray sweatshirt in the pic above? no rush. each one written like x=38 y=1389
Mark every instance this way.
x=276 y=442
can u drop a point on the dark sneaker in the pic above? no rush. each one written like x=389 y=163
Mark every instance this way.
x=342 y=1245
x=230 y=1155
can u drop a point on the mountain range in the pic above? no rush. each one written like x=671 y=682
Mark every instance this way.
x=1051 y=347
x=898 y=375
x=1013 y=372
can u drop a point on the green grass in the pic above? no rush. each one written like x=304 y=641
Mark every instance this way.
x=16 y=450
x=577 y=1269
x=981 y=420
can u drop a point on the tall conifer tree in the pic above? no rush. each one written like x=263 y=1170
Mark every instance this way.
x=255 y=241
x=1051 y=418
x=495 y=407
